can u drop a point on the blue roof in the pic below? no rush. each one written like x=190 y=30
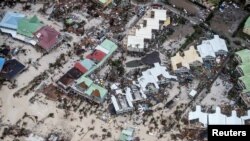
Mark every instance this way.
x=2 y=61
x=87 y=63
x=11 y=19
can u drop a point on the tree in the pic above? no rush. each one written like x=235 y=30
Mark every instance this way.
x=104 y=130
x=109 y=134
x=51 y=115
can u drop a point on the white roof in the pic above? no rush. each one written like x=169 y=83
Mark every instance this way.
x=193 y=93
x=160 y=14
x=119 y=91
x=125 y=101
x=210 y=47
x=147 y=78
x=217 y=118
x=9 y=31
x=144 y=32
x=121 y=103
x=151 y=76
x=160 y=70
x=102 y=49
x=18 y=36
x=129 y=99
x=135 y=42
x=129 y=94
x=143 y=94
x=218 y=44
x=206 y=50
x=233 y=119
x=114 y=86
x=152 y=23
x=197 y=114
x=114 y=101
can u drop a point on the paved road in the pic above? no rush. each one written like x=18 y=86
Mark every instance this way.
x=132 y=21
x=193 y=20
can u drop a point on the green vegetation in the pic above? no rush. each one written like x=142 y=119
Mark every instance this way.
x=214 y=2
x=209 y=17
x=118 y=66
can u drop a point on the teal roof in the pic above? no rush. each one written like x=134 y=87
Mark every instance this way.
x=86 y=80
x=246 y=80
x=87 y=63
x=247 y=23
x=244 y=55
x=245 y=68
x=127 y=134
x=93 y=87
x=103 y=1
x=109 y=45
x=128 y=131
x=27 y=26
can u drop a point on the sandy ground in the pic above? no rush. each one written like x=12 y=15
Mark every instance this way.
x=218 y=94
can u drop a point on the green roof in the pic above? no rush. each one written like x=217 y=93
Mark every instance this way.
x=247 y=23
x=93 y=87
x=246 y=81
x=27 y=26
x=109 y=45
x=245 y=68
x=103 y=1
x=244 y=55
x=86 y=80
x=69 y=21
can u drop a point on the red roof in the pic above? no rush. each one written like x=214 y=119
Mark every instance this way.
x=47 y=37
x=80 y=67
x=96 y=55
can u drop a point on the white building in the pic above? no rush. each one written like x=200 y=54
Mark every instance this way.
x=193 y=93
x=135 y=42
x=217 y=118
x=144 y=29
x=134 y=94
x=121 y=103
x=148 y=83
x=209 y=49
x=151 y=78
